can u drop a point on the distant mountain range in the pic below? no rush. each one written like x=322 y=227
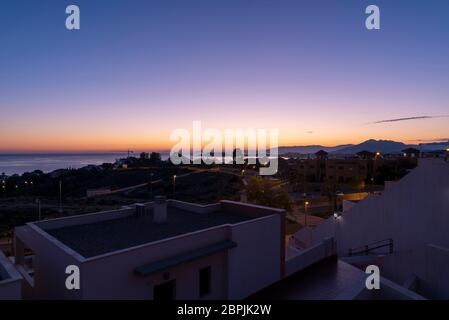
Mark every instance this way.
x=383 y=146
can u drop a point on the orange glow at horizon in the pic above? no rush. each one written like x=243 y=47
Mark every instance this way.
x=104 y=141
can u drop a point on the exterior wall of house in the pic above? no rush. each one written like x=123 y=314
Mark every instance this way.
x=50 y=261
x=257 y=260
x=234 y=273
x=111 y=276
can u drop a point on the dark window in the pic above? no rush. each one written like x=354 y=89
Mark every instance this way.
x=340 y=168
x=205 y=280
x=165 y=291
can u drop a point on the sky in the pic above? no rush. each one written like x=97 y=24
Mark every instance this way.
x=136 y=70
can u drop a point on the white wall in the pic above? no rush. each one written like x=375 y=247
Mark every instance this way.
x=50 y=262
x=256 y=262
x=309 y=256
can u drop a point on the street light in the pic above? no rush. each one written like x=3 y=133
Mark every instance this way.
x=306 y=204
x=151 y=185
x=38 y=201
x=337 y=210
x=60 y=196
x=174 y=184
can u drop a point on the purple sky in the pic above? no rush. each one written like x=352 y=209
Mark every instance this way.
x=138 y=69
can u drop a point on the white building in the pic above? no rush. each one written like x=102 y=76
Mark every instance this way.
x=405 y=231
x=167 y=249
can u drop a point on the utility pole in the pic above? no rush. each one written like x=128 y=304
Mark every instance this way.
x=60 y=196
x=38 y=201
x=151 y=185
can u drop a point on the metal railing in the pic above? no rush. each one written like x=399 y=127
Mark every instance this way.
x=366 y=249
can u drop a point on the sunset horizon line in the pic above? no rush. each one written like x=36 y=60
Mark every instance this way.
x=137 y=150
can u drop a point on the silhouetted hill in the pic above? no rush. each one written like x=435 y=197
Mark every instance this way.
x=311 y=149
x=372 y=145
x=384 y=146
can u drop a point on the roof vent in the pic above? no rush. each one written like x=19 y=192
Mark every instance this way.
x=140 y=209
x=160 y=209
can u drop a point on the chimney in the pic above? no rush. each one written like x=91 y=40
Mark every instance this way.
x=160 y=209
x=140 y=210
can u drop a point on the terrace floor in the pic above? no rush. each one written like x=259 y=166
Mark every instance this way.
x=324 y=280
x=106 y=236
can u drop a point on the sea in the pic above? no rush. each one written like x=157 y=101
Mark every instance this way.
x=47 y=162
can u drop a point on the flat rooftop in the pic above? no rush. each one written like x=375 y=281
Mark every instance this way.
x=102 y=237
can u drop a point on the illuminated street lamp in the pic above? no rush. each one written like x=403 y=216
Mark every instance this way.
x=174 y=183
x=306 y=204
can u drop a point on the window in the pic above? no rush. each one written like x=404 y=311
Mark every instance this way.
x=165 y=291
x=205 y=280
